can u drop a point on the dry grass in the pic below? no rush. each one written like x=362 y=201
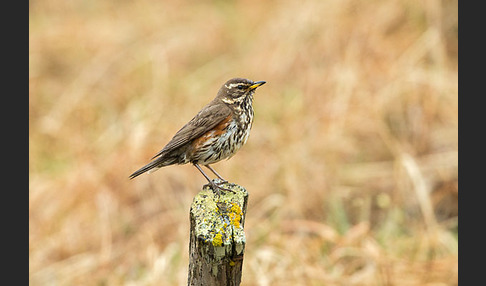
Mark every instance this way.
x=351 y=165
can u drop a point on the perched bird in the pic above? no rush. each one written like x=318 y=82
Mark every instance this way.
x=216 y=132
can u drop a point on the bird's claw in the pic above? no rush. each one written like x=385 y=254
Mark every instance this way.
x=215 y=185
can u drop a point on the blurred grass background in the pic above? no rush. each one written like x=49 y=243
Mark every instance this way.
x=351 y=165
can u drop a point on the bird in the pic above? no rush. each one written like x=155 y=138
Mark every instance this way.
x=215 y=133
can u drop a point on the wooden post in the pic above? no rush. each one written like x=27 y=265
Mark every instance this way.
x=217 y=238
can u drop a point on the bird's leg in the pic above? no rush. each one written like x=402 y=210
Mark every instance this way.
x=214 y=186
x=216 y=173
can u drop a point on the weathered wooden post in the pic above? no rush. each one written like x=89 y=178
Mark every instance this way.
x=217 y=238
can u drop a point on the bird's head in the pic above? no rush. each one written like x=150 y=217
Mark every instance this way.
x=236 y=90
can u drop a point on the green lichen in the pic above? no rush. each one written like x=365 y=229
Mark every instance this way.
x=218 y=217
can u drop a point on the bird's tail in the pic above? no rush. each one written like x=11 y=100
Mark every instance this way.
x=161 y=160
x=154 y=165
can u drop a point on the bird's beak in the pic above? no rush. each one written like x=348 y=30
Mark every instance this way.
x=257 y=84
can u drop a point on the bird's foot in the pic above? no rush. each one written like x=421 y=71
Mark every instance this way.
x=216 y=186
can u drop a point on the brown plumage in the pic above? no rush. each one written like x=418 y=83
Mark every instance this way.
x=217 y=132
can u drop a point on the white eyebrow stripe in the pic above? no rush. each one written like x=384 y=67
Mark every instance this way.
x=231 y=85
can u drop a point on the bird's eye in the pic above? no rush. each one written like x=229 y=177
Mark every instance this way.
x=240 y=86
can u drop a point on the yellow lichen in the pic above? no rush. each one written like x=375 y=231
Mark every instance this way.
x=235 y=215
x=218 y=239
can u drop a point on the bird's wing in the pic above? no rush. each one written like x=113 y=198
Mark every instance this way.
x=210 y=116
